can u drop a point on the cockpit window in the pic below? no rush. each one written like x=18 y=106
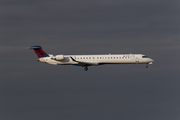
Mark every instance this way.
x=144 y=56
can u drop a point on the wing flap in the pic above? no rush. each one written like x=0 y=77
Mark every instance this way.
x=87 y=63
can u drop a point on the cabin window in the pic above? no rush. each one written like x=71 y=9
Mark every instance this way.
x=89 y=57
x=97 y=57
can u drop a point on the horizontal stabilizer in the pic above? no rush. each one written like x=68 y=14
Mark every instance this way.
x=34 y=47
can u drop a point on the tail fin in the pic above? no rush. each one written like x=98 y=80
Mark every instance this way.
x=39 y=51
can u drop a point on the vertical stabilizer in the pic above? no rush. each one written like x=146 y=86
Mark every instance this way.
x=39 y=51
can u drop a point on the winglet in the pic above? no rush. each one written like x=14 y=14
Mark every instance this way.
x=73 y=59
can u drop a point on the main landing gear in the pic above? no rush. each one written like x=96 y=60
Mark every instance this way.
x=86 y=68
x=146 y=65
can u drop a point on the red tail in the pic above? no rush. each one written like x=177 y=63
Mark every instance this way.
x=39 y=51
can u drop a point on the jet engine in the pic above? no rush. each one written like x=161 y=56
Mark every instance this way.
x=58 y=57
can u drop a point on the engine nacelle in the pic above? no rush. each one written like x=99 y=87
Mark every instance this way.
x=58 y=57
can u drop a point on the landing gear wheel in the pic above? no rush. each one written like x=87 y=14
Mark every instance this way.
x=146 y=66
x=86 y=69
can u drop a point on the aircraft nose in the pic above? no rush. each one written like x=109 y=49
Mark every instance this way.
x=151 y=60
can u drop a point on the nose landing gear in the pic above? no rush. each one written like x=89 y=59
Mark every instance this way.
x=86 y=68
x=146 y=65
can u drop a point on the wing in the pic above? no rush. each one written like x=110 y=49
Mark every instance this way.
x=84 y=63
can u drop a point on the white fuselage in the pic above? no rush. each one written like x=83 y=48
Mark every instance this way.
x=99 y=59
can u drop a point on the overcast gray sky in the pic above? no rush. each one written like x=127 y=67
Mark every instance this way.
x=30 y=90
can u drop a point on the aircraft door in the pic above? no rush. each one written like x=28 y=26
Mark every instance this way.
x=137 y=59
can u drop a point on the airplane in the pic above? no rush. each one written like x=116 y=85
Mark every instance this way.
x=90 y=60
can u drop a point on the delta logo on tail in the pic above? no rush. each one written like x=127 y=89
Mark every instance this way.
x=39 y=51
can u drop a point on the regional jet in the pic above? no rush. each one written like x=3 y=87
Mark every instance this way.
x=90 y=60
